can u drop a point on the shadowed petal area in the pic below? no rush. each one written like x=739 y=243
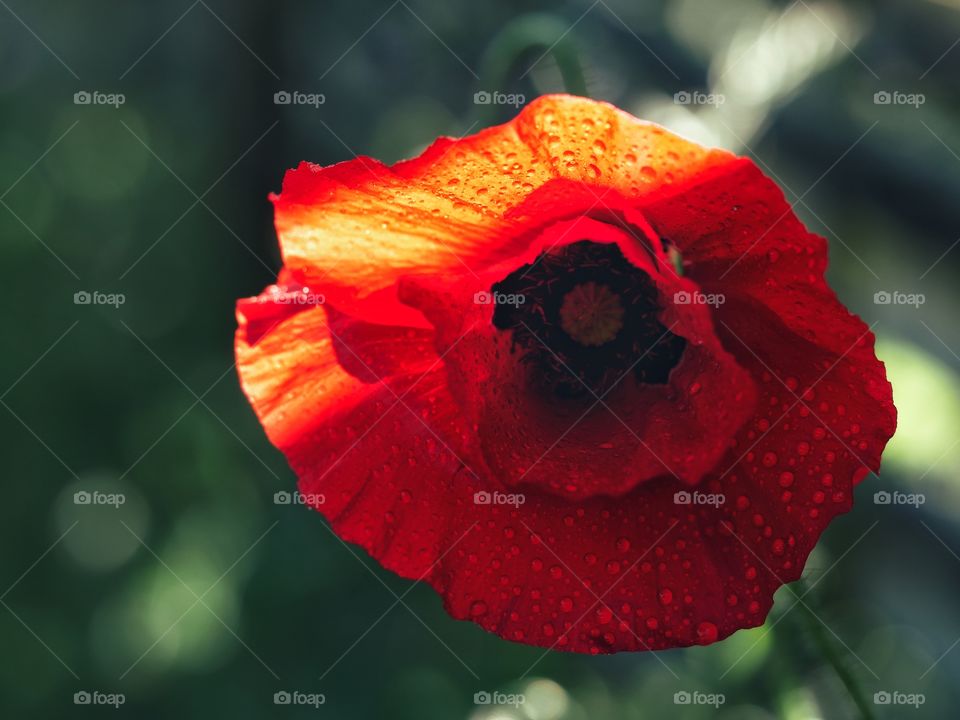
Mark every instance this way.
x=543 y=418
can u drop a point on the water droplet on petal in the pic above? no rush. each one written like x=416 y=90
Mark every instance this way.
x=706 y=633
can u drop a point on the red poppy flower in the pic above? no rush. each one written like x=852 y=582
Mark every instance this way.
x=581 y=375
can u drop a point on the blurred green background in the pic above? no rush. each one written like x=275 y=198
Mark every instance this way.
x=199 y=596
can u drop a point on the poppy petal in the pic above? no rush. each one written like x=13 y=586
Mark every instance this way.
x=779 y=316
x=353 y=229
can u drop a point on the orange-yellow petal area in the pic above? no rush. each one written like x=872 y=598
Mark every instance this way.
x=353 y=229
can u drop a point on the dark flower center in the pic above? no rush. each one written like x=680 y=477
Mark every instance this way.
x=585 y=317
x=591 y=314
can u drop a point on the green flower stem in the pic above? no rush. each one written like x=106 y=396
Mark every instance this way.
x=537 y=31
x=830 y=652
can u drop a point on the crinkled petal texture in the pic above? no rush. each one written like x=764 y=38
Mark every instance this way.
x=663 y=516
